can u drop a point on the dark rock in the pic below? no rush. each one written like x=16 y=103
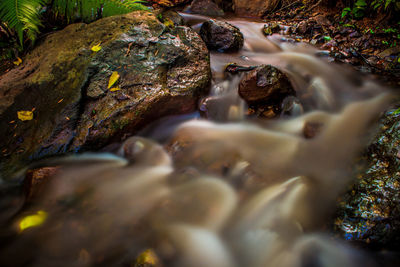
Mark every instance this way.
x=205 y=7
x=369 y=212
x=271 y=28
x=163 y=71
x=221 y=36
x=265 y=83
x=36 y=180
x=311 y=129
x=226 y=5
x=235 y=69
x=254 y=8
x=322 y=20
x=302 y=27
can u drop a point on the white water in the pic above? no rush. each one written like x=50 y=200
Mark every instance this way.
x=240 y=193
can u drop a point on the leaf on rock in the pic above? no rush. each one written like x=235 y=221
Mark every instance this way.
x=113 y=79
x=117 y=88
x=96 y=48
x=25 y=115
x=33 y=220
x=18 y=61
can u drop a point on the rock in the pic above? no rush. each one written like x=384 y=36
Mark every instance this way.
x=205 y=7
x=171 y=16
x=226 y=5
x=37 y=179
x=271 y=28
x=302 y=27
x=265 y=83
x=322 y=20
x=390 y=51
x=221 y=36
x=254 y=8
x=163 y=71
x=369 y=212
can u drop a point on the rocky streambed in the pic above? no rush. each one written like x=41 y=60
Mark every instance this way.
x=212 y=194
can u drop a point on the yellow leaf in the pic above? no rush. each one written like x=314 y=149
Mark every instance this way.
x=147 y=257
x=25 y=115
x=117 y=88
x=96 y=48
x=18 y=61
x=33 y=220
x=113 y=79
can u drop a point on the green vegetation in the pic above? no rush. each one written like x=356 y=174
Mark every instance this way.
x=22 y=18
x=359 y=8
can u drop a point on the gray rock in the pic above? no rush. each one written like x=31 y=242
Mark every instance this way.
x=221 y=36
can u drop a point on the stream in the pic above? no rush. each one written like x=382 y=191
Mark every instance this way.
x=217 y=187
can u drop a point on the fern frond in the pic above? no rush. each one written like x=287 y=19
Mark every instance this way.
x=89 y=10
x=22 y=16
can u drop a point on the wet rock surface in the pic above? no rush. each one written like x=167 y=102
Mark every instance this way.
x=370 y=211
x=162 y=70
x=205 y=7
x=265 y=84
x=221 y=36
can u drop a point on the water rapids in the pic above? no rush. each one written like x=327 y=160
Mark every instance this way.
x=223 y=192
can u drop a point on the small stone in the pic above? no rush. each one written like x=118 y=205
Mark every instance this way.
x=271 y=28
x=265 y=83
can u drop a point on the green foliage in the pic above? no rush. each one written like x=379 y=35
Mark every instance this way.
x=90 y=10
x=360 y=7
x=23 y=16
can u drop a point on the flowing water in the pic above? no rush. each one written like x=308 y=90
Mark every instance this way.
x=227 y=191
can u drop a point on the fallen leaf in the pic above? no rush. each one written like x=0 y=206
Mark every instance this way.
x=147 y=257
x=117 y=88
x=113 y=79
x=96 y=48
x=61 y=100
x=18 y=61
x=33 y=220
x=25 y=115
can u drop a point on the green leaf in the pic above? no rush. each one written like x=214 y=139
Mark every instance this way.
x=22 y=16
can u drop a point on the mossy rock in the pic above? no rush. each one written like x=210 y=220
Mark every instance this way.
x=162 y=71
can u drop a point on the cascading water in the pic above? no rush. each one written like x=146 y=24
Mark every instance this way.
x=205 y=193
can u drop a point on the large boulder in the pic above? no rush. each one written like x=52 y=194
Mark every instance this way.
x=369 y=212
x=205 y=7
x=221 y=36
x=254 y=8
x=65 y=84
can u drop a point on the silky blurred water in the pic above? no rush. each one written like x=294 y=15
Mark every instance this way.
x=220 y=191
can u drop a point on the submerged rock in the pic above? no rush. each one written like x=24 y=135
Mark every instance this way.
x=254 y=8
x=265 y=84
x=221 y=36
x=159 y=71
x=205 y=7
x=369 y=212
x=271 y=28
